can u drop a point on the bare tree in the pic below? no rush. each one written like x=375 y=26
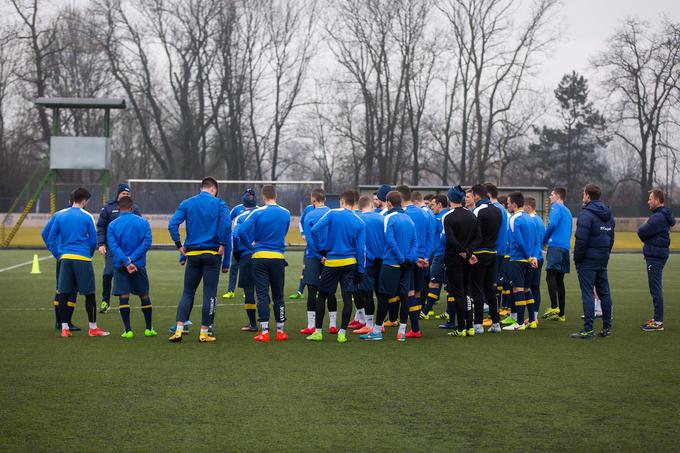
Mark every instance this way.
x=642 y=74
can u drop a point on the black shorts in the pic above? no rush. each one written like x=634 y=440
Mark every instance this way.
x=245 y=271
x=418 y=279
x=394 y=280
x=517 y=272
x=331 y=276
x=136 y=283
x=368 y=283
x=557 y=259
x=502 y=266
x=76 y=276
x=312 y=271
x=438 y=270
x=536 y=274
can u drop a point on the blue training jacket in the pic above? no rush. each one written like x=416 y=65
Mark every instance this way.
x=207 y=223
x=539 y=233
x=305 y=211
x=264 y=231
x=129 y=236
x=308 y=221
x=558 y=233
x=375 y=236
x=73 y=235
x=522 y=237
x=439 y=242
x=421 y=220
x=348 y=234
x=655 y=233
x=108 y=214
x=401 y=243
x=502 y=243
x=434 y=237
x=237 y=211
x=594 y=234
x=45 y=234
x=237 y=248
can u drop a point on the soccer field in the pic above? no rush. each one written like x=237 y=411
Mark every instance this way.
x=518 y=391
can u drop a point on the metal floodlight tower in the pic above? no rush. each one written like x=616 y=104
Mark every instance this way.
x=70 y=152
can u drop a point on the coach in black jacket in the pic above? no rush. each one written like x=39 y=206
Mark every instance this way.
x=593 y=244
x=108 y=214
x=655 y=234
x=462 y=238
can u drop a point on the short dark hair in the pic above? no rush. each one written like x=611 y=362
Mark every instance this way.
x=405 y=192
x=125 y=203
x=269 y=192
x=319 y=195
x=357 y=195
x=80 y=194
x=491 y=189
x=517 y=198
x=209 y=182
x=658 y=194
x=348 y=197
x=394 y=197
x=560 y=192
x=429 y=197
x=480 y=190
x=531 y=202
x=416 y=196
x=365 y=201
x=503 y=199
x=442 y=200
x=593 y=191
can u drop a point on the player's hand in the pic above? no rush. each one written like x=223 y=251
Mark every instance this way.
x=473 y=260
x=463 y=255
x=102 y=250
x=533 y=262
x=225 y=270
x=220 y=250
x=323 y=260
x=131 y=268
x=182 y=250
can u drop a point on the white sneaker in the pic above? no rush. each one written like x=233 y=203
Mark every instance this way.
x=515 y=326
x=495 y=328
x=479 y=329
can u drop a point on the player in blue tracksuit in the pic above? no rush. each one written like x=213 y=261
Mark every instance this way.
x=539 y=233
x=342 y=234
x=108 y=214
x=73 y=237
x=208 y=237
x=129 y=238
x=375 y=248
x=301 y=286
x=558 y=239
x=417 y=200
x=439 y=206
x=264 y=232
x=45 y=234
x=521 y=241
x=231 y=262
x=311 y=270
x=396 y=271
x=243 y=257
x=501 y=245
x=381 y=197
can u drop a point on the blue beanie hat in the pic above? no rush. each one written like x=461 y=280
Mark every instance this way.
x=382 y=192
x=249 y=198
x=122 y=187
x=456 y=194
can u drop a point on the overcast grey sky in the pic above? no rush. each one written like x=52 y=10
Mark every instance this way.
x=588 y=23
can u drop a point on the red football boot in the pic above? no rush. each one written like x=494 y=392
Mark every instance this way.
x=262 y=337
x=308 y=331
x=65 y=333
x=355 y=325
x=412 y=334
x=333 y=330
x=281 y=336
x=98 y=332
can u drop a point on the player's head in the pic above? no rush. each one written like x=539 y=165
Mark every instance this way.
x=318 y=197
x=479 y=192
x=365 y=203
x=381 y=193
x=125 y=204
x=456 y=196
x=427 y=199
x=269 y=193
x=249 y=199
x=209 y=184
x=503 y=200
x=81 y=196
x=469 y=199
x=124 y=190
x=417 y=198
x=405 y=192
x=393 y=199
x=492 y=190
x=591 y=192
x=530 y=204
x=347 y=199
x=515 y=201
x=439 y=203
x=357 y=195
x=656 y=198
x=558 y=194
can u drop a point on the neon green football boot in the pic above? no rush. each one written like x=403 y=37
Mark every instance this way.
x=129 y=335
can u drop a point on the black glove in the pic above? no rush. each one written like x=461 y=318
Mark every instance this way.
x=358 y=277
x=407 y=264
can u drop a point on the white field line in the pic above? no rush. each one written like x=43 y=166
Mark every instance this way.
x=51 y=307
x=16 y=266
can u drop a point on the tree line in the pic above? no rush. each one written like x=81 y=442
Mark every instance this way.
x=351 y=92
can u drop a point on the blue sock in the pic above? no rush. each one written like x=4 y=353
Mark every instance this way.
x=432 y=298
x=520 y=304
x=301 y=286
x=529 y=298
x=124 y=307
x=147 y=310
x=414 y=313
x=250 y=306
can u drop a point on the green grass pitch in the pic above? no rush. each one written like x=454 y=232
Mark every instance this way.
x=529 y=391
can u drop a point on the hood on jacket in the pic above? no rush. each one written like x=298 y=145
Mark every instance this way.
x=601 y=210
x=667 y=214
